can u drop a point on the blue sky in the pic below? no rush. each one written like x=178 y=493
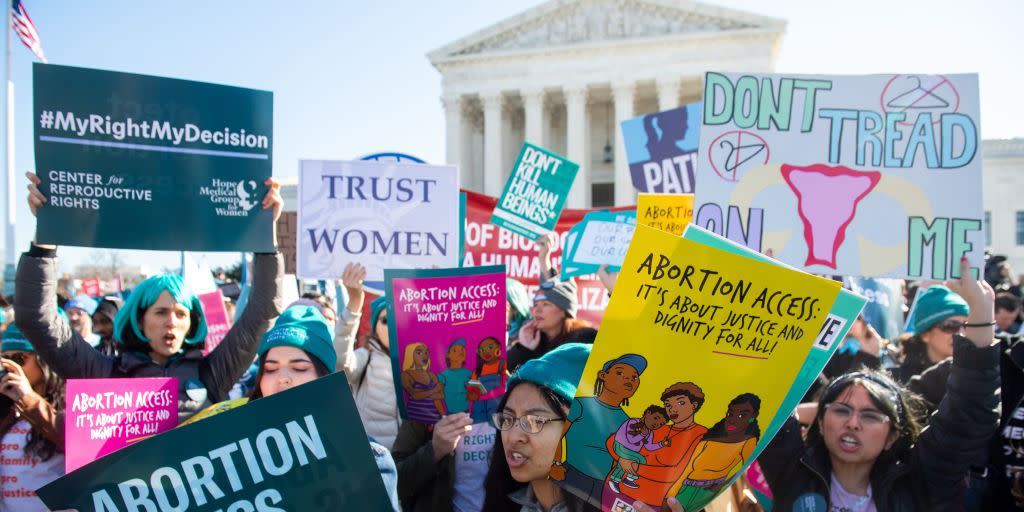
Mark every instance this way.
x=351 y=78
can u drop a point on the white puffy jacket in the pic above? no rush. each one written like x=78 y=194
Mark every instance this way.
x=369 y=373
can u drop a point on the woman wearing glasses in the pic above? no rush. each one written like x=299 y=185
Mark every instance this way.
x=530 y=420
x=938 y=316
x=865 y=450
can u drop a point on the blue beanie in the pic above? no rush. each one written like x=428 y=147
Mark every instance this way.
x=83 y=302
x=13 y=339
x=378 y=305
x=936 y=304
x=303 y=327
x=638 y=362
x=559 y=370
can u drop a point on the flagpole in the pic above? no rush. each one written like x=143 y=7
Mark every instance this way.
x=9 y=211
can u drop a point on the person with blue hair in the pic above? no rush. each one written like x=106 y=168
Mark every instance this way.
x=161 y=328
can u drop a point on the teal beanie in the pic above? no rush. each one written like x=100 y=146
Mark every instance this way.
x=378 y=305
x=559 y=370
x=936 y=304
x=303 y=327
x=13 y=339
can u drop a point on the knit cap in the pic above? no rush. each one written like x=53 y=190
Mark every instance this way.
x=379 y=304
x=303 y=327
x=559 y=370
x=559 y=293
x=936 y=304
x=13 y=339
x=83 y=302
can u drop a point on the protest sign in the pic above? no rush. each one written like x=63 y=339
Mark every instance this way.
x=379 y=214
x=601 y=238
x=884 y=309
x=667 y=212
x=486 y=244
x=217 y=323
x=448 y=327
x=874 y=175
x=662 y=149
x=105 y=415
x=703 y=313
x=144 y=162
x=286 y=451
x=91 y=287
x=535 y=192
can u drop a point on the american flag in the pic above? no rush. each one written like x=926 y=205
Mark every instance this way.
x=25 y=29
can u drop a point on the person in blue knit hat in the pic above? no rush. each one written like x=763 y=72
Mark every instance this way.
x=80 y=310
x=530 y=418
x=298 y=349
x=31 y=423
x=939 y=314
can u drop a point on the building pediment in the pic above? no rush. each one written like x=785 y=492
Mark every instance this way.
x=569 y=23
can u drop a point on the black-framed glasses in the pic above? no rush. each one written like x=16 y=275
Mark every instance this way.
x=531 y=423
x=952 y=327
x=868 y=417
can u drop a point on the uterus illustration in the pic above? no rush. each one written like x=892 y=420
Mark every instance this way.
x=827 y=200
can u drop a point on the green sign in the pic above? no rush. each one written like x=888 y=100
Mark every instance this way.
x=535 y=193
x=283 y=452
x=144 y=162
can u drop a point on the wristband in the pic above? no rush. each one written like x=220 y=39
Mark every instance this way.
x=980 y=324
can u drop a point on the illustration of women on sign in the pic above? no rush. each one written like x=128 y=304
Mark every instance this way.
x=424 y=393
x=487 y=383
x=721 y=454
x=591 y=422
x=455 y=377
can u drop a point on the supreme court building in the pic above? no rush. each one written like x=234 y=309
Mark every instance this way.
x=564 y=74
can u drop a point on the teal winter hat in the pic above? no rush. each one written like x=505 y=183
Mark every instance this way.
x=303 y=327
x=936 y=304
x=13 y=339
x=559 y=370
x=379 y=304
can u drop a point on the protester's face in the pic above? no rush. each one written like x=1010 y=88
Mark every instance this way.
x=858 y=329
x=620 y=378
x=939 y=338
x=102 y=325
x=456 y=356
x=285 y=367
x=679 y=408
x=380 y=328
x=79 y=320
x=738 y=417
x=547 y=315
x=165 y=324
x=654 y=420
x=1004 y=318
x=489 y=351
x=529 y=456
x=851 y=440
x=29 y=364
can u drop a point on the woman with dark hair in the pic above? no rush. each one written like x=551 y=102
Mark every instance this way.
x=31 y=424
x=939 y=315
x=866 y=450
x=528 y=419
x=161 y=328
x=721 y=453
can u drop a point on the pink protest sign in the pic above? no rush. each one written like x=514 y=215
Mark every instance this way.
x=449 y=325
x=105 y=415
x=217 y=324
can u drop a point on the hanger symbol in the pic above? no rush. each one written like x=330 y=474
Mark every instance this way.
x=742 y=154
x=918 y=97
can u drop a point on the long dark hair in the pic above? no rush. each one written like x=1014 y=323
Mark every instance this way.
x=498 y=483
x=904 y=408
x=752 y=430
x=36 y=444
x=257 y=393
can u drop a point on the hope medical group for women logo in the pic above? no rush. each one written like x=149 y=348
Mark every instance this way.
x=232 y=198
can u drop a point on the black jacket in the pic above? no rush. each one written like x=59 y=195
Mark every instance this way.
x=930 y=477
x=423 y=483
x=518 y=354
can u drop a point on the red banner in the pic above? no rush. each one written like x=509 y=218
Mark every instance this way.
x=91 y=287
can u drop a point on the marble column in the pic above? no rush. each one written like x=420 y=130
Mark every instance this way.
x=492 y=182
x=455 y=133
x=669 y=90
x=576 y=143
x=533 y=109
x=623 y=95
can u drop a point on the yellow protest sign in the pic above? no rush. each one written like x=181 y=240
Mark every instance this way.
x=696 y=352
x=667 y=212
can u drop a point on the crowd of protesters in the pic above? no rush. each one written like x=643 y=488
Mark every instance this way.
x=891 y=424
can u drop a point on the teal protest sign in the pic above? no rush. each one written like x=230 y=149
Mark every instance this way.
x=144 y=162
x=601 y=238
x=282 y=452
x=535 y=192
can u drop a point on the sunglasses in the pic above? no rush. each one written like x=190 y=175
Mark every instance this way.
x=951 y=327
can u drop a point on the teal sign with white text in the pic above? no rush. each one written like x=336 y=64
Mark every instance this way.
x=535 y=193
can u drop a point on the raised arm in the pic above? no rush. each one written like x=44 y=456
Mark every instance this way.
x=351 y=361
